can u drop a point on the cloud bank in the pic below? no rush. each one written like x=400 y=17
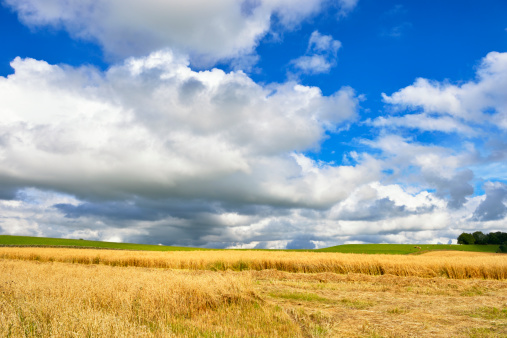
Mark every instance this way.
x=153 y=151
x=150 y=133
x=152 y=127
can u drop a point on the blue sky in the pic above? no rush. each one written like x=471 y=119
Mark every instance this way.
x=253 y=123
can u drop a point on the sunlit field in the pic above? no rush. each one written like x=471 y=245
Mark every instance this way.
x=394 y=249
x=49 y=292
x=490 y=266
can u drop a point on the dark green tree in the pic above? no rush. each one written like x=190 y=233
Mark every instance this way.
x=502 y=248
x=466 y=238
x=479 y=237
x=492 y=238
x=503 y=237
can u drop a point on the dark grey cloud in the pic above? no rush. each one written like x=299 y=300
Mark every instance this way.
x=301 y=242
x=7 y=193
x=190 y=219
x=173 y=233
x=493 y=207
x=255 y=209
x=378 y=210
x=111 y=210
x=152 y=210
x=455 y=189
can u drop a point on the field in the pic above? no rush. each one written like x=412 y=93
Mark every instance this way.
x=6 y=240
x=73 y=292
x=403 y=249
x=396 y=249
x=491 y=266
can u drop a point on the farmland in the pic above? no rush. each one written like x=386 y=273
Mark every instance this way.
x=74 y=292
x=395 y=249
x=403 y=249
x=491 y=266
x=6 y=240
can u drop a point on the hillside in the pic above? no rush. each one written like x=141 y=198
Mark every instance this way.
x=403 y=249
x=44 y=241
x=390 y=249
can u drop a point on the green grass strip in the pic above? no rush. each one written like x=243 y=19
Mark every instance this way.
x=388 y=249
x=6 y=240
x=404 y=249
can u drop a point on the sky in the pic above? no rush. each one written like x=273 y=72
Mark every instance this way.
x=277 y=124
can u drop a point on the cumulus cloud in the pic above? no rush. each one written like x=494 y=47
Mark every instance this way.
x=152 y=151
x=153 y=127
x=481 y=101
x=207 y=30
x=429 y=167
x=320 y=56
x=375 y=209
x=151 y=148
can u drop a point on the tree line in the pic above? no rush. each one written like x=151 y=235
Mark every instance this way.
x=497 y=238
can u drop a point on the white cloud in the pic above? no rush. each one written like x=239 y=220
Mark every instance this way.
x=430 y=159
x=429 y=167
x=323 y=43
x=320 y=56
x=315 y=64
x=423 y=122
x=207 y=30
x=151 y=150
x=346 y=6
x=153 y=127
x=481 y=102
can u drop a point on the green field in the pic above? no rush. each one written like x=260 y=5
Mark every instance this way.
x=36 y=241
x=403 y=249
x=390 y=249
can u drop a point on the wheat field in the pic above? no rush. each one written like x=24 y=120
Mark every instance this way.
x=450 y=265
x=62 y=300
x=88 y=293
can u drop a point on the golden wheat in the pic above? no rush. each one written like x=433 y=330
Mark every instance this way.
x=59 y=300
x=451 y=266
x=45 y=298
